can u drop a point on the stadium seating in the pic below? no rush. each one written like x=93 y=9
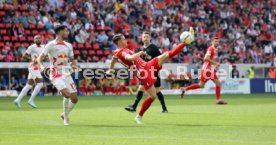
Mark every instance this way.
x=177 y=22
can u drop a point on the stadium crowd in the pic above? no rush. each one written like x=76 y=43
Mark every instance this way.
x=247 y=28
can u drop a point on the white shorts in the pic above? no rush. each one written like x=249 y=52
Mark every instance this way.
x=64 y=82
x=33 y=74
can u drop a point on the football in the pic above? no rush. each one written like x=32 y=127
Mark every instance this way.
x=187 y=37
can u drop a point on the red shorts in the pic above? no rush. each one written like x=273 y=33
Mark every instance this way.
x=207 y=75
x=147 y=76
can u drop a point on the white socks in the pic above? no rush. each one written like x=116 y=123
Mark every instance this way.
x=71 y=106
x=36 y=91
x=67 y=106
x=24 y=92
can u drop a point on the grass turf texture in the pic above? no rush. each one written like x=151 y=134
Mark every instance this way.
x=101 y=120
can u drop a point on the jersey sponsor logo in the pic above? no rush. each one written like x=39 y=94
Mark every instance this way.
x=63 y=55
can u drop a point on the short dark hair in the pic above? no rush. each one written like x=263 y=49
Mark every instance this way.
x=117 y=37
x=146 y=32
x=59 y=28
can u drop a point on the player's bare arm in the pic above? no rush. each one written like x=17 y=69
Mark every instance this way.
x=73 y=63
x=135 y=56
x=111 y=66
x=39 y=61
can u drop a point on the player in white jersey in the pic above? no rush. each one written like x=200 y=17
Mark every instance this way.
x=61 y=58
x=34 y=76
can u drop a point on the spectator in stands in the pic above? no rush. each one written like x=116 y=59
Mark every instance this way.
x=18 y=31
x=6 y=48
x=247 y=26
x=235 y=73
x=272 y=71
x=3 y=83
x=102 y=36
x=10 y=57
x=1 y=56
x=31 y=18
x=251 y=73
x=79 y=38
x=22 y=81
x=21 y=49
x=14 y=84
x=91 y=87
x=133 y=85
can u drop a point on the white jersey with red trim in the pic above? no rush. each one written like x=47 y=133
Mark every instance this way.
x=59 y=53
x=34 y=50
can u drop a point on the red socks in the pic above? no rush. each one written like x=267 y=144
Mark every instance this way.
x=145 y=106
x=176 y=50
x=196 y=86
x=217 y=92
x=192 y=87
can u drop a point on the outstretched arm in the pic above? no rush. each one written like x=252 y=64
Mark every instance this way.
x=135 y=56
x=111 y=66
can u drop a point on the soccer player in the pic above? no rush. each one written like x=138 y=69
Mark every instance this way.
x=34 y=76
x=61 y=57
x=208 y=72
x=144 y=71
x=152 y=51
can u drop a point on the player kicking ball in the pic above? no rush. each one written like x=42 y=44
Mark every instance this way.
x=61 y=57
x=152 y=52
x=34 y=76
x=208 y=72
x=144 y=71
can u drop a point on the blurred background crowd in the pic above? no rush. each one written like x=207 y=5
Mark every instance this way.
x=246 y=28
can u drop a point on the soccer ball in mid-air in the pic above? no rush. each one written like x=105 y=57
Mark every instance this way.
x=187 y=37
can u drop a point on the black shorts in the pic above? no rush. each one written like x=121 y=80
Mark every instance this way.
x=157 y=84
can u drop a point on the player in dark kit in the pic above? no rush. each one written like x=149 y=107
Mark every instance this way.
x=152 y=52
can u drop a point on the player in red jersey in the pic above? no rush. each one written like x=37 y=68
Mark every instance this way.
x=144 y=71
x=208 y=72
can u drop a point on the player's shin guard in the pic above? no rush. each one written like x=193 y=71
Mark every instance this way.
x=24 y=92
x=176 y=50
x=36 y=91
x=145 y=106
x=217 y=92
x=137 y=99
x=192 y=87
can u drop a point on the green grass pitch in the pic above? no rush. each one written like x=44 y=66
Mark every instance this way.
x=101 y=120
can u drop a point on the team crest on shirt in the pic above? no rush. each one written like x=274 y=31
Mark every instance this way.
x=63 y=55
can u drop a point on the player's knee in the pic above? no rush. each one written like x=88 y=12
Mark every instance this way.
x=141 y=89
x=66 y=94
x=153 y=96
x=157 y=90
x=74 y=100
x=218 y=84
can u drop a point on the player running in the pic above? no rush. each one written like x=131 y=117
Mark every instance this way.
x=34 y=76
x=152 y=52
x=143 y=70
x=61 y=57
x=208 y=72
